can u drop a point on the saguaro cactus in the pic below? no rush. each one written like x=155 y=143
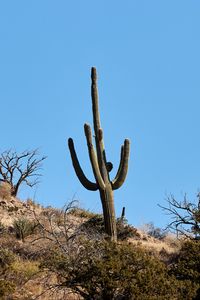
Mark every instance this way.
x=100 y=166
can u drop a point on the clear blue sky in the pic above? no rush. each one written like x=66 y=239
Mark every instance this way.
x=147 y=54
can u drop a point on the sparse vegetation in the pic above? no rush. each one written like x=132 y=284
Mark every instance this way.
x=23 y=228
x=69 y=251
x=70 y=254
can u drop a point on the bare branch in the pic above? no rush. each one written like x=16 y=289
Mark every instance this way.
x=185 y=217
x=16 y=168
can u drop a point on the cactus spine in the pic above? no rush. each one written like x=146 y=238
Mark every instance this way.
x=100 y=166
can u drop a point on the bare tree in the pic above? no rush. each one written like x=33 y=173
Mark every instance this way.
x=17 y=168
x=60 y=236
x=185 y=216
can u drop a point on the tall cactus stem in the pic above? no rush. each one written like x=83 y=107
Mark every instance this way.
x=100 y=166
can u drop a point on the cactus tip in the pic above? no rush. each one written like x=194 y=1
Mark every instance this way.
x=127 y=141
x=86 y=126
x=70 y=143
x=93 y=74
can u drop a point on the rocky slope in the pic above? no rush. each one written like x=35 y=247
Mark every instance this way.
x=24 y=270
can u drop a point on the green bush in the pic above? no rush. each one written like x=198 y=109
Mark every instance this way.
x=6 y=288
x=104 y=270
x=125 y=231
x=6 y=260
x=186 y=266
x=23 y=228
x=23 y=270
x=14 y=273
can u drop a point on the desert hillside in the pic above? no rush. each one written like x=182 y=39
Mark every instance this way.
x=42 y=251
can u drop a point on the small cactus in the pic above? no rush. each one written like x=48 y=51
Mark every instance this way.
x=100 y=166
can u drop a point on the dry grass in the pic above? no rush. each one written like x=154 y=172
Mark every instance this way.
x=5 y=191
x=163 y=249
x=82 y=213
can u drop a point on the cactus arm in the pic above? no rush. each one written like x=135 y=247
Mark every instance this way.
x=93 y=158
x=79 y=172
x=123 y=167
x=120 y=164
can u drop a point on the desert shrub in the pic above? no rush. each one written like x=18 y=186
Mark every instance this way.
x=82 y=213
x=56 y=215
x=125 y=231
x=23 y=228
x=94 y=224
x=49 y=210
x=186 y=265
x=5 y=190
x=6 y=288
x=6 y=260
x=104 y=270
x=155 y=232
x=25 y=251
x=23 y=270
x=14 y=273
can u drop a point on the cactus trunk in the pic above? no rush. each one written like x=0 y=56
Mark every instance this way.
x=107 y=200
x=100 y=166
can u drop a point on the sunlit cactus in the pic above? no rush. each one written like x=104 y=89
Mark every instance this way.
x=100 y=166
